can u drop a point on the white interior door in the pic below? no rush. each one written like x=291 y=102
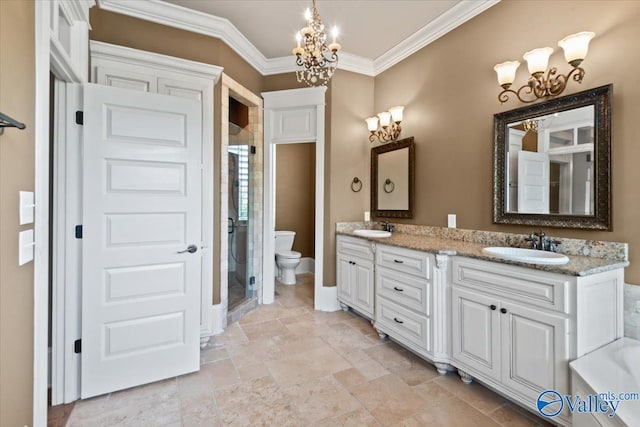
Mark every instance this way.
x=533 y=182
x=141 y=211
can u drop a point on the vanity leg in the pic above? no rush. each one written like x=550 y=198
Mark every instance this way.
x=466 y=378
x=204 y=341
x=381 y=334
x=442 y=368
x=344 y=307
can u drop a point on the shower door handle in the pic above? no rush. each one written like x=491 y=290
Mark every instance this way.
x=192 y=249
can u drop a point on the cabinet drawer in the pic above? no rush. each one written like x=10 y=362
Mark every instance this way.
x=403 y=324
x=533 y=287
x=404 y=289
x=404 y=260
x=354 y=246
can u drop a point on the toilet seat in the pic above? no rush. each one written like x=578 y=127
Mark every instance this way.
x=289 y=254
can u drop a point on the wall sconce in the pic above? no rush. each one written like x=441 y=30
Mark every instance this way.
x=575 y=48
x=389 y=125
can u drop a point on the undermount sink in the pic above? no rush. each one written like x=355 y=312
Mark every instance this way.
x=372 y=233
x=529 y=256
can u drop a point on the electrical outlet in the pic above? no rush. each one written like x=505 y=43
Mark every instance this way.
x=367 y=216
x=451 y=220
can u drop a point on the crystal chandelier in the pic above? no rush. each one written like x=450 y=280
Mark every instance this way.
x=316 y=61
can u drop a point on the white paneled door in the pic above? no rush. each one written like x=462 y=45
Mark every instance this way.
x=533 y=182
x=142 y=238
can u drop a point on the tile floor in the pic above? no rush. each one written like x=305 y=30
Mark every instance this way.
x=287 y=365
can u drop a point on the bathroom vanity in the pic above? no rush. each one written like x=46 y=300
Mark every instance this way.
x=514 y=327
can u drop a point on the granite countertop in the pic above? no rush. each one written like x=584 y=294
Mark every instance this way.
x=577 y=266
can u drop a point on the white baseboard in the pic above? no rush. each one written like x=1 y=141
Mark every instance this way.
x=307 y=265
x=219 y=316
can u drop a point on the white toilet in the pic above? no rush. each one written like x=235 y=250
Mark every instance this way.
x=286 y=259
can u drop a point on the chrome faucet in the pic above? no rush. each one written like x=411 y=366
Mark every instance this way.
x=541 y=241
x=387 y=226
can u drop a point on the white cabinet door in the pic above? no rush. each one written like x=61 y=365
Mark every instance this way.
x=363 y=276
x=476 y=331
x=141 y=210
x=346 y=290
x=534 y=350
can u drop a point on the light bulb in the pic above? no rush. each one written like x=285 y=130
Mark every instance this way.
x=372 y=123
x=385 y=118
x=396 y=113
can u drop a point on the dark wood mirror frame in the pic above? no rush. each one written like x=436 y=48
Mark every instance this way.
x=375 y=152
x=600 y=98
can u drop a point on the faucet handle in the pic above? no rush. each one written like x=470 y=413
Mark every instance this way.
x=553 y=245
x=533 y=239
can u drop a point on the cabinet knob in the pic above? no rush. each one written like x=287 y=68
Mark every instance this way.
x=398 y=289
x=503 y=310
x=493 y=307
x=397 y=321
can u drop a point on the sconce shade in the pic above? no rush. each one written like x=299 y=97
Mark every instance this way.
x=385 y=118
x=576 y=46
x=538 y=59
x=372 y=124
x=506 y=72
x=396 y=113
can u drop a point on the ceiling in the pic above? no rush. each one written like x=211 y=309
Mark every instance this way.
x=374 y=34
x=367 y=28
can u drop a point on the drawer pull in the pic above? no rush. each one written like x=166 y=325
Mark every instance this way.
x=492 y=307
x=398 y=289
x=503 y=310
x=397 y=321
x=398 y=261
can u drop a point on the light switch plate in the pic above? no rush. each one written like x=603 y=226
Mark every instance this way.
x=26 y=207
x=451 y=220
x=25 y=247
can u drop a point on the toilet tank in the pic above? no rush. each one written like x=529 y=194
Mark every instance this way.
x=284 y=240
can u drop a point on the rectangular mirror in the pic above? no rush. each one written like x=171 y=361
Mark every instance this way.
x=392 y=179
x=552 y=162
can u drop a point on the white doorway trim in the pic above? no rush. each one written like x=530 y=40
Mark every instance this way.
x=67 y=58
x=294 y=116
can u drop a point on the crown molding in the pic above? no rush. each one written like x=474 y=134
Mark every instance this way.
x=190 y=20
x=348 y=62
x=452 y=18
x=175 y=16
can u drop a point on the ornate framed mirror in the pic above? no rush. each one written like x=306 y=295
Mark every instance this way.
x=392 y=179
x=552 y=163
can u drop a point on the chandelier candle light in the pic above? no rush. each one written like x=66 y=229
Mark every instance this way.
x=316 y=61
x=389 y=125
x=575 y=48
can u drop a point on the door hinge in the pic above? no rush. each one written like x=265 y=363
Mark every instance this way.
x=77 y=346
x=78 y=231
x=253 y=149
x=79 y=117
x=252 y=280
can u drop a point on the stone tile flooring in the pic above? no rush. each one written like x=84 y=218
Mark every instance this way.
x=287 y=365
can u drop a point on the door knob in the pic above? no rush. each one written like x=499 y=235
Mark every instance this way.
x=192 y=249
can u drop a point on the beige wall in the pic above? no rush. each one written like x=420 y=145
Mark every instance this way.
x=296 y=195
x=17 y=95
x=348 y=156
x=450 y=92
x=138 y=34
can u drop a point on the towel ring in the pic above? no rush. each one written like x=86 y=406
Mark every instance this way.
x=389 y=186
x=356 y=183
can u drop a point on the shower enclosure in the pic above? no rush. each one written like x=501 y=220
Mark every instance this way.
x=240 y=227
